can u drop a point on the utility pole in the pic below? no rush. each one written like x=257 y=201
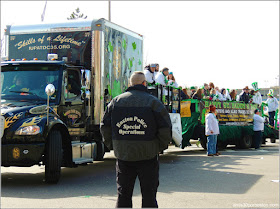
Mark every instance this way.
x=110 y=10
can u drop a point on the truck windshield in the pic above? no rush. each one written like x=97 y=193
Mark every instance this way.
x=28 y=82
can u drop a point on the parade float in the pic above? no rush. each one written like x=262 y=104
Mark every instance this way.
x=235 y=119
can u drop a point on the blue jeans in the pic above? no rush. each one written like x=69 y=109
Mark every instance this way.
x=271 y=118
x=211 y=144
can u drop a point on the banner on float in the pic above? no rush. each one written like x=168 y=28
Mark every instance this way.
x=230 y=113
x=185 y=109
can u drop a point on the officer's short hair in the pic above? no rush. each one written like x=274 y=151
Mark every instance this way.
x=137 y=77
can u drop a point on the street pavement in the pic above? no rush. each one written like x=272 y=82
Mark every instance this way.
x=188 y=179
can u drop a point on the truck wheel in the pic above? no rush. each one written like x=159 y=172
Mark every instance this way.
x=53 y=157
x=203 y=142
x=245 y=142
x=222 y=145
x=100 y=151
x=202 y=137
x=272 y=140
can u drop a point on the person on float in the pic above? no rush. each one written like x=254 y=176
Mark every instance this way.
x=149 y=74
x=223 y=96
x=198 y=94
x=257 y=98
x=184 y=94
x=244 y=95
x=233 y=95
x=193 y=90
x=206 y=90
x=161 y=78
x=211 y=86
x=272 y=105
x=156 y=69
x=213 y=96
x=171 y=80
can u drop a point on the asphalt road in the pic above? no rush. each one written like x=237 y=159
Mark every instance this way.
x=188 y=179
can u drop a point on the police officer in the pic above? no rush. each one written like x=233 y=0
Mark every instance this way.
x=137 y=127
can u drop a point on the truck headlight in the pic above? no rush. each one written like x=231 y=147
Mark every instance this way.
x=28 y=130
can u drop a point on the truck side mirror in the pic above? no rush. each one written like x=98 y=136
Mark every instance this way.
x=50 y=89
x=86 y=78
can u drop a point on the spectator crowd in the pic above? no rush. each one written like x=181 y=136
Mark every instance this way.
x=208 y=91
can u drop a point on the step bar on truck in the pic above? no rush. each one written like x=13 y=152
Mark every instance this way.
x=83 y=152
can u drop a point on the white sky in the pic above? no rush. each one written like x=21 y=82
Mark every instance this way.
x=231 y=43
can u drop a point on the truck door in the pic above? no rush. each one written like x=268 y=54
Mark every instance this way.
x=72 y=108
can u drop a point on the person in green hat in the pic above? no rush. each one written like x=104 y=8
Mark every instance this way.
x=257 y=97
x=192 y=91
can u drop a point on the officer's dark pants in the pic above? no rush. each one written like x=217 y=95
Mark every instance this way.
x=271 y=118
x=257 y=139
x=148 y=174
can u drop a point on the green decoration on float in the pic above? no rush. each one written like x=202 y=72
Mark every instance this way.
x=117 y=90
x=134 y=46
x=124 y=44
x=131 y=63
x=109 y=90
x=139 y=62
x=110 y=47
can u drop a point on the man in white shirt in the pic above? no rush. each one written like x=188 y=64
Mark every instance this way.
x=156 y=69
x=161 y=77
x=272 y=105
x=258 y=128
x=257 y=98
x=149 y=74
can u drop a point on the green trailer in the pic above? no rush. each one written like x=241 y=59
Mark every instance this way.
x=235 y=123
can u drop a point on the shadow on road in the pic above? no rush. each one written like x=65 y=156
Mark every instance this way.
x=204 y=174
x=180 y=171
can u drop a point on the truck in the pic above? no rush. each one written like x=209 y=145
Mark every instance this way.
x=56 y=81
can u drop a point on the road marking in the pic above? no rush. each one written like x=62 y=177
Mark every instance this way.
x=251 y=150
x=275 y=181
x=263 y=150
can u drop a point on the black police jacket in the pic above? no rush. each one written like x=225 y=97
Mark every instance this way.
x=136 y=125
